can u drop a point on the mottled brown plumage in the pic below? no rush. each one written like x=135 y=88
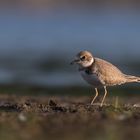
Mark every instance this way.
x=108 y=74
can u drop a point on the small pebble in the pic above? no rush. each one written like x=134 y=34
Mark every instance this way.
x=136 y=105
x=22 y=117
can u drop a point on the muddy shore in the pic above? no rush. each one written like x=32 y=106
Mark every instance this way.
x=68 y=118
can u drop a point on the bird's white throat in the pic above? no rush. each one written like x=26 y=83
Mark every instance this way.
x=87 y=63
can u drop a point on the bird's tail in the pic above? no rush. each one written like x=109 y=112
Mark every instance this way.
x=130 y=78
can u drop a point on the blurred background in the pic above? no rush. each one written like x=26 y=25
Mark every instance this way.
x=39 y=38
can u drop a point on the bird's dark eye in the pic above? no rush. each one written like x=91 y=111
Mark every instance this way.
x=83 y=58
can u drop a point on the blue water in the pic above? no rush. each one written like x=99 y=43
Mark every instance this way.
x=55 y=36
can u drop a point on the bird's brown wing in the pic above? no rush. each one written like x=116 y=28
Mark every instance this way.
x=109 y=74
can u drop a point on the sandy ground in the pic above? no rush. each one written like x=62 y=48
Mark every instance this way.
x=68 y=118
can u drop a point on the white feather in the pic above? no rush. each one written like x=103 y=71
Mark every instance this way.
x=92 y=79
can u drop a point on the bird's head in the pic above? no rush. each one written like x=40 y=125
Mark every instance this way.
x=83 y=59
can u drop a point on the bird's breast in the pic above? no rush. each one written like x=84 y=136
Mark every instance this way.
x=92 y=79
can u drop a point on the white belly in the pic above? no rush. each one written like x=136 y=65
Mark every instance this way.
x=92 y=79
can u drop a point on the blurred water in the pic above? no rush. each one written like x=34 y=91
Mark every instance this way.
x=36 y=48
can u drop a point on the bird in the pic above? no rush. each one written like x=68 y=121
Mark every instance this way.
x=100 y=73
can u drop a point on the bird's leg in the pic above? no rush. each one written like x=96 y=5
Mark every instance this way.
x=96 y=90
x=104 y=96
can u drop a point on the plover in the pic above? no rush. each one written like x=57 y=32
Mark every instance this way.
x=100 y=73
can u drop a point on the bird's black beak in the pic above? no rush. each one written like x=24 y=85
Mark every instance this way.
x=74 y=61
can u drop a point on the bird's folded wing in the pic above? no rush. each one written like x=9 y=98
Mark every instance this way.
x=108 y=73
